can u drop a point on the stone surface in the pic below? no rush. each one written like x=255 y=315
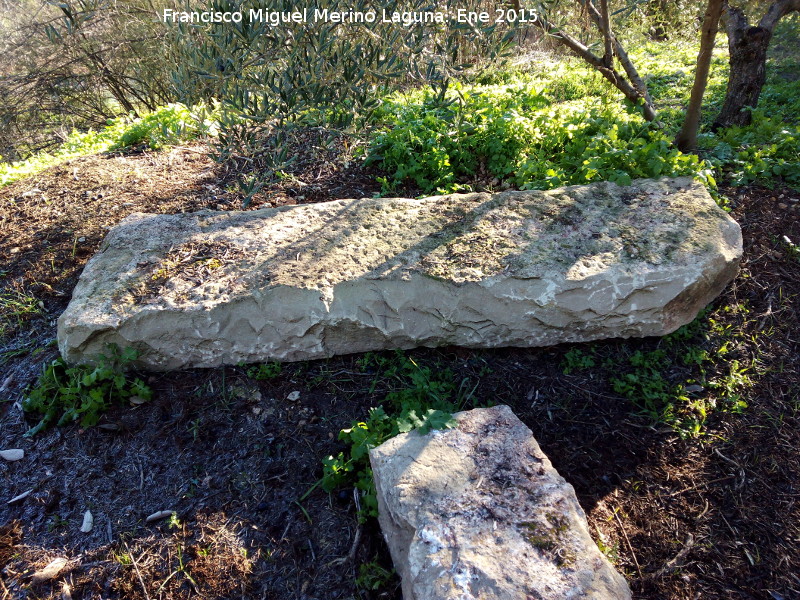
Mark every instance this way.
x=478 y=512
x=475 y=270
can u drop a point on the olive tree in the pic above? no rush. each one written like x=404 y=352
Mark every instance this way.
x=747 y=45
x=613 y=63
x=76 y=63
x=321 y=72
x=687 y=137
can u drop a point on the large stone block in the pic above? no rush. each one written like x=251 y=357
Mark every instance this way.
x=479 y=513
x=475 y=270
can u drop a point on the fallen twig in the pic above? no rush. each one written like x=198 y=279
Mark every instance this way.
x=351 y=556
x=628 y=542
x=677 y=561
x=138 y=572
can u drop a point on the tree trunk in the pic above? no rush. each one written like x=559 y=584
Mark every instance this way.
x=687 y=138
x=748 y=58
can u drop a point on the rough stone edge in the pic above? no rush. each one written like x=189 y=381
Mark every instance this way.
x=400 y=551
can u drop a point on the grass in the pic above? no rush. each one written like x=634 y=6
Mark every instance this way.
x=16 y=308
x=167 y=125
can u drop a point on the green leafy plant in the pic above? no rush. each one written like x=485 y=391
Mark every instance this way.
x=514 y=133
x=576 y=360
x=372 y=576
x=610 y=550
x=64 y=394
x=424 y=400
x=766 y=149
x=169 y=124
x=685 y=403
x=683 y=381
x=264 y=371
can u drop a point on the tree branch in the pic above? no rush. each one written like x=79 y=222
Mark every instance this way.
x=605 y=27
x=633 y=92
x=776 y=12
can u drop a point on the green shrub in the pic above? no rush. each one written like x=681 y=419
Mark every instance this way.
x=66 y=393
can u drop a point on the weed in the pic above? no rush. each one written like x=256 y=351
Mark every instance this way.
x=194 y=429
x=265 y=371
x=17 y=307
x=686 y=379
x=167 y=125
x=610 y=550
x=372 y=576
x=174 y=522
x=123 y=558
x=514 y=133
x=66 y=393
x=57 y=522
x=576 y=360
x=424 y=400
x=765 y=149
x=180 y=570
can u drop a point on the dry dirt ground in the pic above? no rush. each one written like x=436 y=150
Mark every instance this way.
x=715 y=516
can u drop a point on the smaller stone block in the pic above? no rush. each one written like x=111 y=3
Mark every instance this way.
x=478 y=512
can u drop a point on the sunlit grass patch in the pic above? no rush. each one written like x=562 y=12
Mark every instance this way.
x=170 y=124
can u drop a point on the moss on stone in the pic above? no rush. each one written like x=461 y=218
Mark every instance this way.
x=548 y=538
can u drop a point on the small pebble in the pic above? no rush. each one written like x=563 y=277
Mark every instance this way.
x=88 y=522
x=158 y=515
x=50 y=571
x=12 y=455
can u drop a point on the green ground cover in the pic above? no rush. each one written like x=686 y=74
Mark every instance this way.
x=541 y=123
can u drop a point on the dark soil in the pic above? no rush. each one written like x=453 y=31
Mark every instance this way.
x=715 y=516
